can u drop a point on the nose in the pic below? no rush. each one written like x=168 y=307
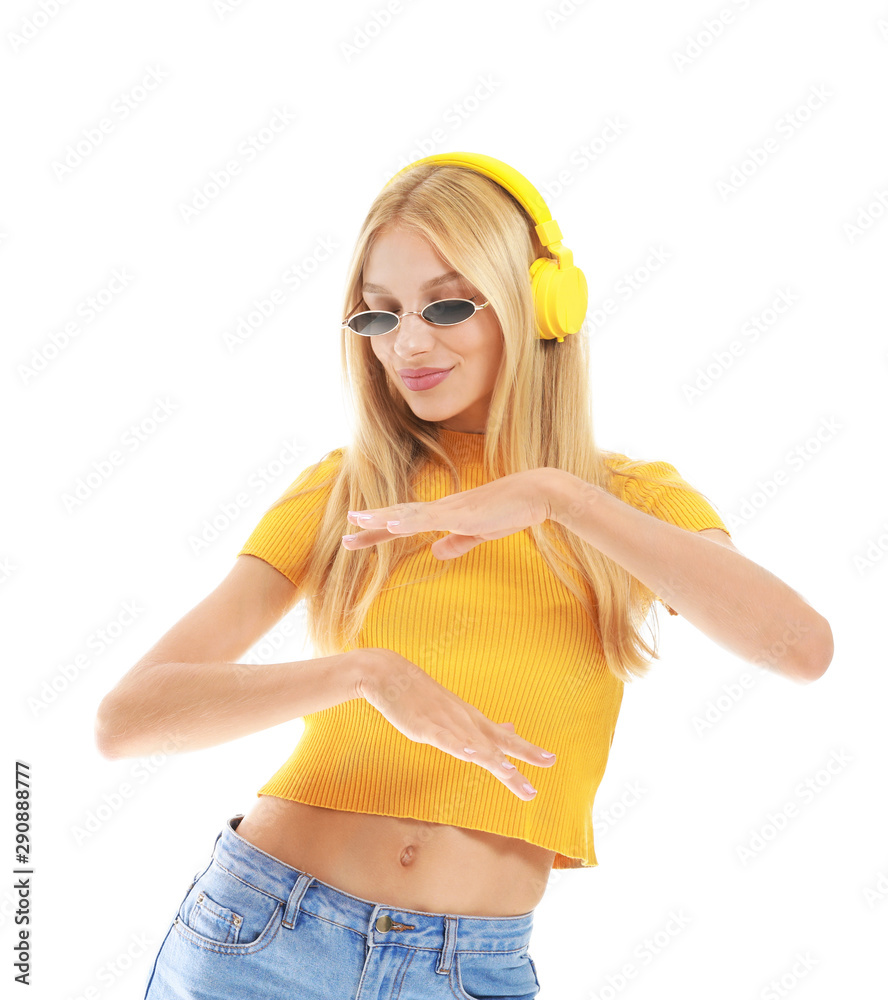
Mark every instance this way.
x=409 y=331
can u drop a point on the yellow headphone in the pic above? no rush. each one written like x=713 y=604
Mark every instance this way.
x=560 y=293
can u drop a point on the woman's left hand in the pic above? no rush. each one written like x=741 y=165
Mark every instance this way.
x=494 y=510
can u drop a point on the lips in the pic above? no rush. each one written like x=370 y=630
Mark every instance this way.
x=418 y=383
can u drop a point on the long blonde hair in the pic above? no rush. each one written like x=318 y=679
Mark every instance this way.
x=540 y=416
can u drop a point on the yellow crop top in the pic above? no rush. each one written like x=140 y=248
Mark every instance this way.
x=500 y=630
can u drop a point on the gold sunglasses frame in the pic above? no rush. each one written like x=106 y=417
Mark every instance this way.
x=414 y=312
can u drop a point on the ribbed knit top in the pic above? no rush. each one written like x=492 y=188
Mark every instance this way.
x=500 y=630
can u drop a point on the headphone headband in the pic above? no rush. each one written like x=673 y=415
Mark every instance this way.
x=507 y=177
x=559 y=288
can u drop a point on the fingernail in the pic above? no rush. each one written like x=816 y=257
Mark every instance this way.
x=364 y=517
x=508 y=766
x=391 y=524
x=467 y=750
x=529 y=788
x=349 y=538
x=546 y=754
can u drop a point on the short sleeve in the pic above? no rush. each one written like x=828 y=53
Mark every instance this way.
x=674 y=501
x=284 y=536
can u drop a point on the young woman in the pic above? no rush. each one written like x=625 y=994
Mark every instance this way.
x=477 y=624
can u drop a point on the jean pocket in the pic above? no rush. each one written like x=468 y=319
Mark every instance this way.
x=477 y=975
x=223 y=913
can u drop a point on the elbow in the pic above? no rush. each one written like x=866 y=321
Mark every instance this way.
x=106 y=731
x=106 y=749
x=813 y=660
x=102 y=735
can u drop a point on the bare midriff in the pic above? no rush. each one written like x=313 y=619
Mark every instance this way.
x=406 y=863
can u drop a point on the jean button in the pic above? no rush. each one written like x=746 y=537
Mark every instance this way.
x=384 y=923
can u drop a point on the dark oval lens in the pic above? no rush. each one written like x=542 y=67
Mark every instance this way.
x=372 y=324
x=449 y=311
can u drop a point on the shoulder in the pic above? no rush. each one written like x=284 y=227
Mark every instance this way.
x=635 y=473
x=657 y=488
x=330 y=462
x=313 y=482
x=629 y=475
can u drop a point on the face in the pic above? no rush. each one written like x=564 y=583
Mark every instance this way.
x=397 y=268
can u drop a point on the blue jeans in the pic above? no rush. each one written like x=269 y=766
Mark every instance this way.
x=252 y=926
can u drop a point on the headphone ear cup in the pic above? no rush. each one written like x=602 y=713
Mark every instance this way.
x=560 y=298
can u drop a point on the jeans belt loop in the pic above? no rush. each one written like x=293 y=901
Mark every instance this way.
x=291 y=912
x=445 y=959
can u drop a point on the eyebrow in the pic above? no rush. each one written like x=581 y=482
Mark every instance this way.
x=442 y=279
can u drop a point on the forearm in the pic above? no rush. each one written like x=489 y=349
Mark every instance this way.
x=178 y=707
x=736 y=602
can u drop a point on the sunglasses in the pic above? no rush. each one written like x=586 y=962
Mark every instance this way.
x=445 y=312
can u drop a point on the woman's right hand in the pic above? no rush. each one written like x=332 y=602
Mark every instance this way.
x=427 y=712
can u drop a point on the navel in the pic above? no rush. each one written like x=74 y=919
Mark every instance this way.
x=407 y=855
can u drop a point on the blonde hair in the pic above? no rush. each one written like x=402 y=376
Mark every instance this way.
x=540 y=416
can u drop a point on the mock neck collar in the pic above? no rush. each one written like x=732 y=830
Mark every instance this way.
x=462 y=446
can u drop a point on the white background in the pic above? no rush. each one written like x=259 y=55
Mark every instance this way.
x=675 y=172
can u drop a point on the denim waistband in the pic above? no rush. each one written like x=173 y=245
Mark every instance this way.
x=299 y=890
